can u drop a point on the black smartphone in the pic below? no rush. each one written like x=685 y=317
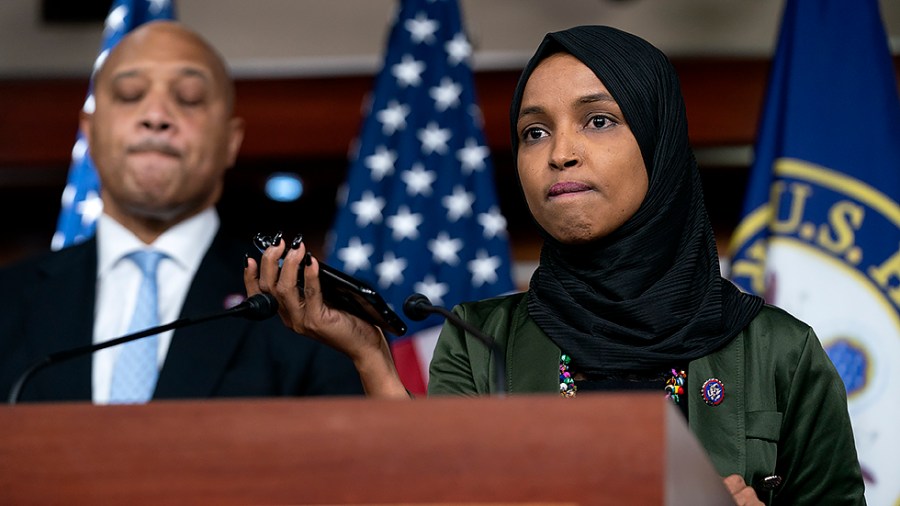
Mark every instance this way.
x=342 y=291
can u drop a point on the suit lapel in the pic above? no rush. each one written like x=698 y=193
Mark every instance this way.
x=199 y=355
x=61 y=318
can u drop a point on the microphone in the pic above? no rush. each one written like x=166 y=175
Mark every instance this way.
x=257 y=307
x=417 y=307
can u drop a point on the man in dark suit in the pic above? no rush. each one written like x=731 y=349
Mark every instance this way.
x=162 y=135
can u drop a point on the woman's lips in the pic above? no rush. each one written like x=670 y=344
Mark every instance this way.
x=567 y=187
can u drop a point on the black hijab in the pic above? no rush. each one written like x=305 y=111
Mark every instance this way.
x=650 y=295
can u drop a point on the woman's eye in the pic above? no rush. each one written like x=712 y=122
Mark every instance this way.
x=600 y=121
x=533 y=133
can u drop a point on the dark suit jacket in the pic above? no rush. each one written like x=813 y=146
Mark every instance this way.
x=47 y=305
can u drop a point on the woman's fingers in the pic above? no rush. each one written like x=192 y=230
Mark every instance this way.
x=269 y=268
x=312 y=288
x=741 y=493
x=251 y=272
x=290 y=270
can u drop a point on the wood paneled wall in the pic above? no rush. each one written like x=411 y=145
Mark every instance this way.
x=318 y=117
x=307 y=126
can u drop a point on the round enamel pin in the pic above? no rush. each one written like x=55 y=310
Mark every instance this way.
x=713 y=392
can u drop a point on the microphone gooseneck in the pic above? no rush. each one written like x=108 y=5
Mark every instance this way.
x=257 y=307
x=417 y=307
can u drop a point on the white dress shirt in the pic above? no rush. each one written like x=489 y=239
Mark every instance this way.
x=118 y=280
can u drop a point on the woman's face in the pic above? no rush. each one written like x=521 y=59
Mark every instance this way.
x=580 y=166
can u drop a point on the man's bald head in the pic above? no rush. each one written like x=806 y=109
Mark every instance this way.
x=176 y=39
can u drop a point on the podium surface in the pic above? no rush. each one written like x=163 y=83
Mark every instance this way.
x=600 y=448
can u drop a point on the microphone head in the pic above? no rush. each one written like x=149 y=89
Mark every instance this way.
x=258 y=307
x=416 y=307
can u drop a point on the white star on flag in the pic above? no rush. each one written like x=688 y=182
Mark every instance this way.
x=393 y=117
x=418 y=180
x=421 y=29
x=404 y=224
x=458 y=49
x=458 y=204
x=89 y=105
x=446 y=95
x=79 y=149
x=90 y=208
x=368 y=209
x=356 y=255
x=493 y=222
x=434 y=138
x=98 y=62
x=409 y=71
x=390 y=270
x=115 y=20
x=472 y=156
x=381 y=163
x=484 y=268
x=432 y=289
x=445 y=249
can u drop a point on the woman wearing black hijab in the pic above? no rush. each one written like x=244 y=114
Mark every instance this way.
x=628 y=293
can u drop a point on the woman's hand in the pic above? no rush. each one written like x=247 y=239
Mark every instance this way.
x=743 y=494
x=307 y=314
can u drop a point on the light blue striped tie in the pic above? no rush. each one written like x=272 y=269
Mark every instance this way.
x=135 y=372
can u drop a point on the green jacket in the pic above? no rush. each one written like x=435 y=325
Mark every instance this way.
x=784 y=411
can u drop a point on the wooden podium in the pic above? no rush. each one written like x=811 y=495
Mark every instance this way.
x=603 y=448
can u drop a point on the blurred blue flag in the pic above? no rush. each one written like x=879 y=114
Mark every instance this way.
x=419 y=211
x=821 y=230
x=81 y=204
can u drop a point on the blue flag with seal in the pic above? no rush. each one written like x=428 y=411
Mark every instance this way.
x=80 y=203
x=820 y=235
x=419 y=210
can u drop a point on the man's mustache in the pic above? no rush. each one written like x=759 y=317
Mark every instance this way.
x=156 y=145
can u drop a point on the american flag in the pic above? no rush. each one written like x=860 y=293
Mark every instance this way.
x=81 y=205
x=419 y=211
